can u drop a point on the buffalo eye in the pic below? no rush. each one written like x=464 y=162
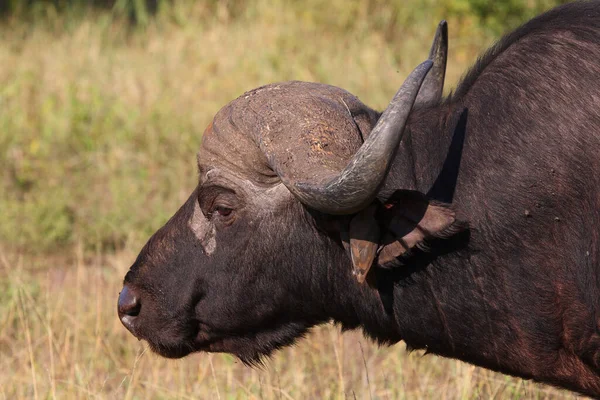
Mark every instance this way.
x=223 y=211
x=218 y=202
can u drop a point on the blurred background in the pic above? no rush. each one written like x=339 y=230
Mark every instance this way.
x=102 y=106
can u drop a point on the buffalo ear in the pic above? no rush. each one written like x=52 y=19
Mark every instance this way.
x=364 y=239
x=384 y=232
x=410 y=220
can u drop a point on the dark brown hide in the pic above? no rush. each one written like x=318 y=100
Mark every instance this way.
x=243 y=267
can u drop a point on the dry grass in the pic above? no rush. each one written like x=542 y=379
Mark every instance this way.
x=60 y=338
x=98 y=130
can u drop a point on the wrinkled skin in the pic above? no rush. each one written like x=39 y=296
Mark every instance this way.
x=231 y=253
x=243 y=267
x=224 y=303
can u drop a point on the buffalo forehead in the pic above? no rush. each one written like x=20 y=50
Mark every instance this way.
x=306 y=130
x=226 y=147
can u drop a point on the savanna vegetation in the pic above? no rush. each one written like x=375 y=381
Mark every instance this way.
x=102 y=105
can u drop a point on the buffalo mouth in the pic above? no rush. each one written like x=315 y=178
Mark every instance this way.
x=182 y=333
x=251 y=348
x=169 y=342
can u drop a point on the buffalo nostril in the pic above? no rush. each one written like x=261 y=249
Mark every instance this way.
x=129 y=303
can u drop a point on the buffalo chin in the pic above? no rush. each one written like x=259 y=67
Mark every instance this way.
x=250 y=348
x=171 y=344
x=253 y=347
x=173 y=352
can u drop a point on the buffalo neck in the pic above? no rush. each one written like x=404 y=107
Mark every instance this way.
x=442 y=299
x=409 y=303
x=406 y=303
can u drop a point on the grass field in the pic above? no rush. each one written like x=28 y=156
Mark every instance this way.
x=60 y=338
x=99 y=125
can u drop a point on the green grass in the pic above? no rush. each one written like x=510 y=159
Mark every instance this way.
x=100 y=121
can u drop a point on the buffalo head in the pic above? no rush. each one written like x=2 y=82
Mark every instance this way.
x=289 y=176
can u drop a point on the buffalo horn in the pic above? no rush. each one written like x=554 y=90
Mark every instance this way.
x=432 y=88
x=356 y=186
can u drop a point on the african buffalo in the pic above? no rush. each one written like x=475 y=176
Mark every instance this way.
x=480 y=213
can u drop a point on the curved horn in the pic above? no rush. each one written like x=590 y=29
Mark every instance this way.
x=356 y=186
x=432 y=88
